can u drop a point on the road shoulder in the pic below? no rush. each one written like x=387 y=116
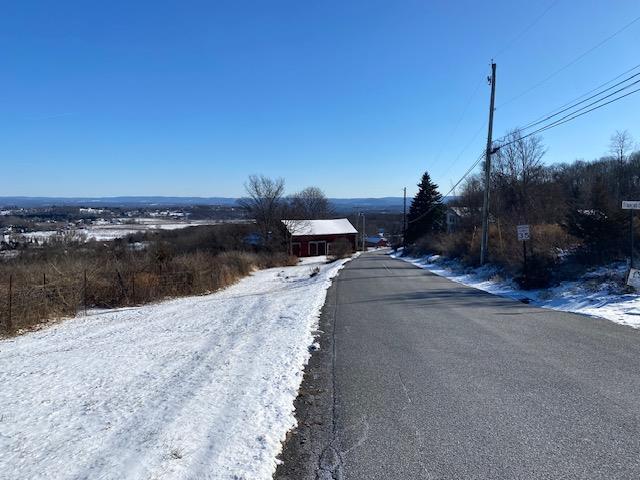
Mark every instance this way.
x=306 y=452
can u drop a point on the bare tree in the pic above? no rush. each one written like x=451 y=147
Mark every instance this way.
x=621 y=145
x=310 y=203
x=517 y=169
x=264 y=202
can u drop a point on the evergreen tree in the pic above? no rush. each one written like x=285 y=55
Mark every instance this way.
x=603 y=228
x=426 y=214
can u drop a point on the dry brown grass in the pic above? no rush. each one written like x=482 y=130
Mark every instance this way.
x=547 y=241
x=49 y=288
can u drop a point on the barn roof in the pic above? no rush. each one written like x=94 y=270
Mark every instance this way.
x=337 y=226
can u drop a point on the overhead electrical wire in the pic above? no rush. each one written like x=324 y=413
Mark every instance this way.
x=549 y=114
x=515 y=39
x=569 y=64
x=573 y=103
x=464 y=149
x=573 y=115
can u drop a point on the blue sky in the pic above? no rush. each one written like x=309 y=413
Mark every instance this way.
x=356 y=97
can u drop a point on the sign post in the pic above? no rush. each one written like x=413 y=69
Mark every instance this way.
x=631 y=206
x=524 y=235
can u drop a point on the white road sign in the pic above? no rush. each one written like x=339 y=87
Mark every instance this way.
x=630 y=205
x=634 y=278
x=523 y=233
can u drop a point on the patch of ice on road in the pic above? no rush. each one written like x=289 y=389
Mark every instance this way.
x=193 y=388
x=597 y=293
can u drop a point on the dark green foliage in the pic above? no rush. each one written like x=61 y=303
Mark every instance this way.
x=426 y=214
x=539 y=272
x=603 y=228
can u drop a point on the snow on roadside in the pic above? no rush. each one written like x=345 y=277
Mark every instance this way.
x=192 y=388
x=596 y=293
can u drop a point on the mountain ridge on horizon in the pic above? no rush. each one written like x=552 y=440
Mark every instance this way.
x=179 y=201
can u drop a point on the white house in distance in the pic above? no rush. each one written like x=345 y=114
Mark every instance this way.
x=314 y=237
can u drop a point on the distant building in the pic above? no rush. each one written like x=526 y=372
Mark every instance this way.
x=315 y=237
x=454 y=215
x=452 y=218
x=377 y=241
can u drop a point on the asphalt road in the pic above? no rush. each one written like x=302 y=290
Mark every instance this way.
x=428 y=379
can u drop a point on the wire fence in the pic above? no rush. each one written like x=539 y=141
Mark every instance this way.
x=25 y=302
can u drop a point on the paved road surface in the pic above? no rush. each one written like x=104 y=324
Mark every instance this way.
x=429 y=379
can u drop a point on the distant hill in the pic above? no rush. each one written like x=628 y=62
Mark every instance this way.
x=115 y=201
x=339 y=204
x=394 y=204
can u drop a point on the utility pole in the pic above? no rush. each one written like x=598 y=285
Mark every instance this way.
x=364 y=234
x=487 y=172
x=404 y=218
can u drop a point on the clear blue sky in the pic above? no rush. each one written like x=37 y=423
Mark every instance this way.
x=356 y=97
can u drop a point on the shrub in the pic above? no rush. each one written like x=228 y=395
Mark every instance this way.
x=50 y=283
x=548 y=243
x=340 y=248
x=539 y=273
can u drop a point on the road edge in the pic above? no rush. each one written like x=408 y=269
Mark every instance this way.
x=306 y=452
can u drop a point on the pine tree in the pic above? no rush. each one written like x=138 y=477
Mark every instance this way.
x=426 y=214
x=603 y=228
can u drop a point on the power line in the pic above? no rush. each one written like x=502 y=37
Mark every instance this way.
x=571 y=116
x=561 y=121
x=572 y=104
x=515 y=39
x=587 y=93
x=571 y=63
x=587 y=99
x=464 y=149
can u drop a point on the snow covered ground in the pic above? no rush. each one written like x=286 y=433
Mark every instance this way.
x=103 y=231
x=597 y=293
x=192 y=388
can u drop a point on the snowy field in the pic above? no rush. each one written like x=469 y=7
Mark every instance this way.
x=106 y=231
x=193 y=388
x=598 y=293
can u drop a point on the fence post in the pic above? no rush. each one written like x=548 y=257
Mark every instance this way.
x=84 y=290
x=133 y=287
x=10 y=320
x=44 y=293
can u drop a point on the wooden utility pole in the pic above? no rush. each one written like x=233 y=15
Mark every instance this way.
x=404 y=218
x=487 y=172
x=364 y=234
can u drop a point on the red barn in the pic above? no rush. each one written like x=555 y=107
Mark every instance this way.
x=315 y=237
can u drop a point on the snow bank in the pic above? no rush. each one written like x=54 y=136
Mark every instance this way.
x=597 y=293
x=198 y=387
